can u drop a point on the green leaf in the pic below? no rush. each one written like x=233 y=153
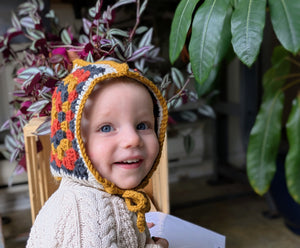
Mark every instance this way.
x=44 y=128
x=263 y=144
x=177 y=77
x=225 y=44
x=35 y=34
x=41 y=5
x=247 y=25
x=38 y=106
x=10 y=143
x=27 y=22
x=146 y=39
x=28 y=72
x=83 y=39
x=286 y=23
x=188 y=115
x=280 y=68
x=26 y=8
x=143 y=7
x=139 y=53
x=15 y=21
x=129 y=50
x=292 y=161
x=14 y=155
x=50 y=14
x=222 y=49
x=65 y=37
x=180 y=25
x=141 y=29
x=122 y=2
x=189 y=144
x=92 y=12
x=90 y=57
x=46 y=70
x=117 y=42
x=119 y=32
x=206 y=37
x=207 y=85
x=207 y=110
x=266 y=132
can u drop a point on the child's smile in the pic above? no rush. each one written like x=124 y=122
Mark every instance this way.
x=130 y=163
x=121 y=141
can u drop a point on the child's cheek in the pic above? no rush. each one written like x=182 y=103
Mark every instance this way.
x=91 y=155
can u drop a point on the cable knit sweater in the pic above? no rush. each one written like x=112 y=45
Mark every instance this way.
x=82 y=216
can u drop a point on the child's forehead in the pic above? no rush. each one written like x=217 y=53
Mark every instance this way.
x=117 y=85
x=118 y=93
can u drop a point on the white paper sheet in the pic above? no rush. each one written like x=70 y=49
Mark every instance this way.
x=183 y=234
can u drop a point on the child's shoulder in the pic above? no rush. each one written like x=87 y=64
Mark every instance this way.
x=78 y=192
x=72 y=195
x=74 y=200
x=75 y=211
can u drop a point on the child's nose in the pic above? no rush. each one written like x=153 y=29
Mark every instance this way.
x=131 y=138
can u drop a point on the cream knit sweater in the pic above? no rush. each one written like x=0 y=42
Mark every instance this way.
x=81 y=216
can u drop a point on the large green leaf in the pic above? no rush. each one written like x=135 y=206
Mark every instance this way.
x=206 y=36
x=180 y=25
x=266 y=133
x=280 y=68
x=263 y=144
x=286 y=22
x=225 y=43
x=247 y=24
x=222 y=49
x=292 y=162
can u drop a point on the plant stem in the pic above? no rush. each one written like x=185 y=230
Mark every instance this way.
x=67 y=46
x=137 y=21
x=181 y=90
x=291 y=84
x=294 y=61
x=292 y=75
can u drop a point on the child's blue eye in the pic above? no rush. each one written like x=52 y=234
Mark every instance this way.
x=106 y=129
x=142 y=126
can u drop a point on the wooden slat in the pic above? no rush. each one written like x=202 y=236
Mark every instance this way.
x=161 y=183
x=41 y=183
x=158 y=187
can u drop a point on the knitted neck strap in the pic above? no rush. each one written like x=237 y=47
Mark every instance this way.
x=136 y=201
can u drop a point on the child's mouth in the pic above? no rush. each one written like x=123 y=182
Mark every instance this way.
x=129 y=164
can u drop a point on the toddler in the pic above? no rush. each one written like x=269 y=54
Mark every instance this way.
x=107 y=130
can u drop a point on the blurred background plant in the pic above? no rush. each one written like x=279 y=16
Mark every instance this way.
x=212 y=30
x=50 y=49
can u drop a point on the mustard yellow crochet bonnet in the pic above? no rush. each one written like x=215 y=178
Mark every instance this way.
x=68 y=155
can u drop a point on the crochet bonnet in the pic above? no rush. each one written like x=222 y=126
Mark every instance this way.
x=68 y=155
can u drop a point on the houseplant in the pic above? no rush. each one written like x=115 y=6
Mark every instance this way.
x=49 y=51
x=221 y=26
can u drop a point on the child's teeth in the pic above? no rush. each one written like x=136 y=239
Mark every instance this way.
x=130 y=161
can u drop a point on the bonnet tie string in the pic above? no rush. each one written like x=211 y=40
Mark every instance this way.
x=137 y=202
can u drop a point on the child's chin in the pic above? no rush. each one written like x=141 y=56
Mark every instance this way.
x=128 y=185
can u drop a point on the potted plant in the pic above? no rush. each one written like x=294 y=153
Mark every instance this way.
x=218 y=27
x=48 y=53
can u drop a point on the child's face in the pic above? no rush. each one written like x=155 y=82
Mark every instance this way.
x=121 y=141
